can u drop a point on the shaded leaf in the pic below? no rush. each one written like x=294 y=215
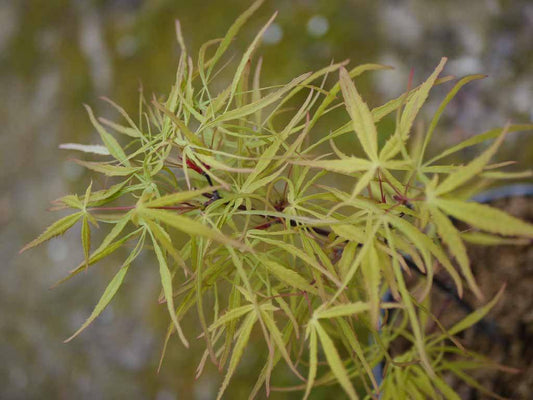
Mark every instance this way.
x=335 y=362
x=166 y=282
x=485 y=217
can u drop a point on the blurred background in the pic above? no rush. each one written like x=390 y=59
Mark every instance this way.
x=56 y=55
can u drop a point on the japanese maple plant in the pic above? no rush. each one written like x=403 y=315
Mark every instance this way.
x=273 y=236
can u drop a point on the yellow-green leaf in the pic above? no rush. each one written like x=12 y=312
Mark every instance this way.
x=493 y=133
x=111 y=288
x=414 y=104
x=313 y=362
x=109 y=141
x=232 y=31
x=476 y=316
x=166 y=282
x=362 y=121
x=287 y=276
x=343 y=310
x=441 y=108
x=372 y=279
x=343 y=166
x=335 y=362
x=487 y=239
x=178 y=197
x=238 y=349
x=107 y=169
x=106 y=298
x=86 y=239
x=231 y=315
x=485 y=217
x=188 y=225
x=278 y=340
x=57 y=228
x=450 y=236
x=463 y=174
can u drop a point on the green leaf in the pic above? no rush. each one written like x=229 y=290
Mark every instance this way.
x=477 y=315
x=278 y=339
x=362 y=121
x=180 y=124
x=187 y=225
x=238 y=349
x=450 y=235
x=485 y=217
x=107 y=169
x=86 y=239
x=343 y=310
x=343 y=166
x=104 y=196
x=106 y=298
x=165 y=241
x=372 y=281
x=232 y=31
x=412 y=107
x=111 y=289
x=287 y=276
x=178 y=197
x=57 y=228
x=463 y=174
x=409 y=308
x=487 y=239
x=493 y=133
x=440 y=110
x=414 y=104
x=133 y=131
x=231 y=315
x=166 y=282
x=109 y=141
x=313 y=362
x=125 y=130
x=254 y=107
x=424 y=243
x=334 y=361
x=246 y=57
x=293 y=250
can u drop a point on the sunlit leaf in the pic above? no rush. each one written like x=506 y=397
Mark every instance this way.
x=86 y=148
x=362 y=120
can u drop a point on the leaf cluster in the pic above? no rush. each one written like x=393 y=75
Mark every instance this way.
x=231 y=186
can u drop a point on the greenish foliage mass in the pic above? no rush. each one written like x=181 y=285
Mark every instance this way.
x=234 y=189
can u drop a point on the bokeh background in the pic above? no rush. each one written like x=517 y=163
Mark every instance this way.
x=56 y=55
